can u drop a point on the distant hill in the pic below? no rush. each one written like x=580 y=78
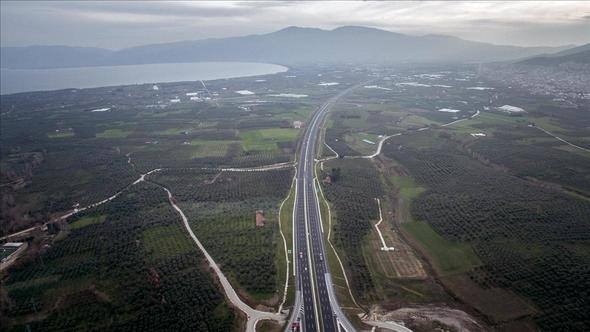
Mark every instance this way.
x=573 y=50
x=292 y=45
x=580 y=54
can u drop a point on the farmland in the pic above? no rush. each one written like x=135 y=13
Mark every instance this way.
x=80 y=156
x=267 y=139
x=489 y=213
x=222 y=212
x=516 y=228
x=91 y=273
x=449 y=257
x=353 y=189
x=376 y=277
x=134 y=269
x=483 y=212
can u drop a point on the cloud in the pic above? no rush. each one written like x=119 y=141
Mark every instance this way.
x=121 y=24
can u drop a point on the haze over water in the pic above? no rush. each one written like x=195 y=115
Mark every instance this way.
x=26 y=80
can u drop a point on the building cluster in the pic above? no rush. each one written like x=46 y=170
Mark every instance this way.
x=567 y=82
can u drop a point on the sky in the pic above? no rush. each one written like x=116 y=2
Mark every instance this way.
x=118 y=24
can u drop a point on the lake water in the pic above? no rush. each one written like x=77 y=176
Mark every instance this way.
x=25 y=80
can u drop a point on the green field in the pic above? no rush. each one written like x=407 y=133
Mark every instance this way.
x=355 y=141
x=413 y=120
x=448 y=257
x=61 y=134
x=223 y=215
x=166 y=241
x=266 y=139
x=300 y=113
x=90 y=220
x=408 y=189
x=485 y=121
x=211 y=148
x=114 y=133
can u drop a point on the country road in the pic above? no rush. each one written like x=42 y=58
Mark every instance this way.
x=562 y=140
x=385 y=138
x=253 y=316
x=314 y=287
x=316 y=305
x=142 y=178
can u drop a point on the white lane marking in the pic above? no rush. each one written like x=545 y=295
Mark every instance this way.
x=310 y=267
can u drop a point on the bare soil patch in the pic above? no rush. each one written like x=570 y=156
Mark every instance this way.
x=429 y=318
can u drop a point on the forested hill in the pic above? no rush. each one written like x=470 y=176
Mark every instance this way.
x=292 y=45
x=581 y=55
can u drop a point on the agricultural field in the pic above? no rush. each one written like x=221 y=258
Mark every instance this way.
x=481 y=210
x=353 y=187
x=76 y=149
x=124 y=265
x=268 y=139
x=128 y=261
x=398 y=103
x=39 y=185
x=516 y=228
x=489 y=200
x=222 y=207
x=377 y=277
x=448 y=257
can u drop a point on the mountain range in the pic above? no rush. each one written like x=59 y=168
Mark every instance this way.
x=580 y=54
x=292 y=45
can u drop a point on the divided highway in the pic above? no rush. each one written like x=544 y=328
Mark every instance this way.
x=316 y=307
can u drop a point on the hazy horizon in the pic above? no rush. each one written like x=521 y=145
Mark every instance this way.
x=116 y=25
x=303 y=27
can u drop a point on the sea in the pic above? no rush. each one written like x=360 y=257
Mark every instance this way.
x=27 y=80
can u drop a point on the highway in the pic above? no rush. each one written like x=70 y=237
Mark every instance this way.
x=316 y=308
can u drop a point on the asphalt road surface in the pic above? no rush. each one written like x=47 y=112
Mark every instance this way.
x=317 y=309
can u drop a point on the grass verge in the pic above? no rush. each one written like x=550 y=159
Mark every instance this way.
x=286 y=225
x=448 y=257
